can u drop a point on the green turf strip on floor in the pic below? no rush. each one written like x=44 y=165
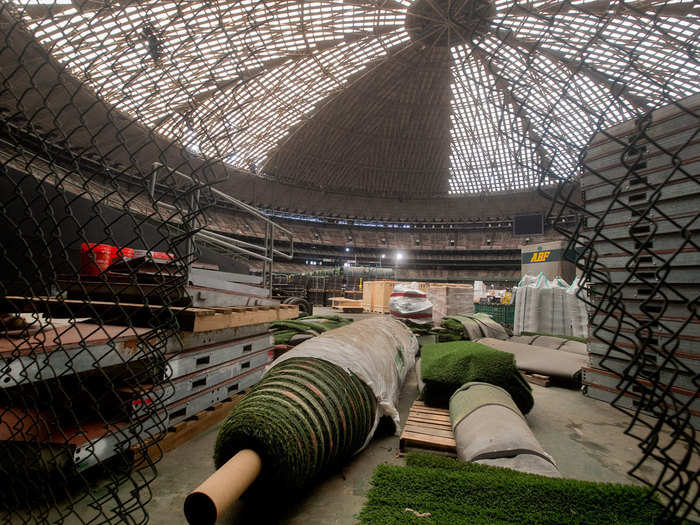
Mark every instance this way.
x=467 y=493
x=445 y=367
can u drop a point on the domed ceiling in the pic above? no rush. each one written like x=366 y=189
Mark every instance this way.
x=385 y=97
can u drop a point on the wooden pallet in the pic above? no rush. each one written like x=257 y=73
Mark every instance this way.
x=428 y=427
x=190 y=319
x=184 y=431
x=536 y=379
x=346 y=305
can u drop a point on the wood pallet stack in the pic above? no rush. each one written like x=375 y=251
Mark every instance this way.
x=346 y=305
x=637 y=244
x=111 y=377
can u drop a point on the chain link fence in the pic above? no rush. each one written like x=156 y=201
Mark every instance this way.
x=98 y=227
x=638 y=240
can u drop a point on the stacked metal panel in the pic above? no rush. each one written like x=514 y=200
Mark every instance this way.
x=212 y=367
x=104 y=371
x=642 y=191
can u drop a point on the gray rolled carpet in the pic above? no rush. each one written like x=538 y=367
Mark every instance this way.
x=540 y=360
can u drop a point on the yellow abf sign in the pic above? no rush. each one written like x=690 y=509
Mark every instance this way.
x=538 y=257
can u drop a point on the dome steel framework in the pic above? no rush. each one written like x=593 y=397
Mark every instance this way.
x=388 y=97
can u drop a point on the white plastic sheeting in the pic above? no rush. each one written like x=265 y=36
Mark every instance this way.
x=409 y=302
x=549 y=307
x=379 y=350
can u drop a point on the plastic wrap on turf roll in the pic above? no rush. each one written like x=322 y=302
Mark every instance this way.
x=304 y=417
x=378 y=350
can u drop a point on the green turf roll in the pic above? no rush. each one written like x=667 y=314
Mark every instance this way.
x=305 y=416
x=311 y=325
x=445 y=367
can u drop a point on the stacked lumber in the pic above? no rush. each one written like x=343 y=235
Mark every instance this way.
x=346 y=305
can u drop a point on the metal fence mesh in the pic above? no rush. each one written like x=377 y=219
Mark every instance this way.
x=639 y=256
x=84 y=380
x=97 y=97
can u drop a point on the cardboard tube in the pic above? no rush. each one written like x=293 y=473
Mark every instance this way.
x=221 y=489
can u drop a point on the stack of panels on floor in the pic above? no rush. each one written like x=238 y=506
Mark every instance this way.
x=211 y=367
x=642 y=229
x=108 y=375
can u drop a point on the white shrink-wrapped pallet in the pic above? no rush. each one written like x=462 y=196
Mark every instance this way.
x=549 y=307
x=409 y=302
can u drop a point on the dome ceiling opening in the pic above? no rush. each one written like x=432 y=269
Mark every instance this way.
x=381 y=97
x=446 y=23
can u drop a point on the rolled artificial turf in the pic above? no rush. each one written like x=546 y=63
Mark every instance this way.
x=305 y=416
x=469 y=327
x=445 y=367
x=567 y=337
x=455 y=493
x=283 y=331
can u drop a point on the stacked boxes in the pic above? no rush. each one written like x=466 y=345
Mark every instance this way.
x=643 y=199
x=450 y=300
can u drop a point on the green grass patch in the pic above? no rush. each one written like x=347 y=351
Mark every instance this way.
x=447 y=366
x=568 y=337
x=466 y=493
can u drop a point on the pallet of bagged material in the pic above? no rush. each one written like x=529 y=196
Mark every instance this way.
x=429 y=428
x=189 y=319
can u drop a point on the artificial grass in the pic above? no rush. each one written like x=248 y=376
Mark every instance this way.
x=468 y=493
x=445 y=367
x=305 y=416
x=312 y=325
x=469 y=327
x=568 y=337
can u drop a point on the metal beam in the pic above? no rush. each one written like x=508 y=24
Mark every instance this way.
x=533 y=47
x=606 y=8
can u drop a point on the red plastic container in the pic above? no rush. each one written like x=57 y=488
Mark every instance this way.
x=96 y=258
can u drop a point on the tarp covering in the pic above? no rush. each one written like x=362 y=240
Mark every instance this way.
x=378 y=350
x=298 y=330
x=541 y=360
x=470 y=328
x=448 y=366
x=409 y=302
x=488 y=426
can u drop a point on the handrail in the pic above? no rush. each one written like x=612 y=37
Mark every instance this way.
x=251 y=209
x=231 y=243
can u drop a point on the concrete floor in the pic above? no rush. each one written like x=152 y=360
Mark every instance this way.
x=584 y=436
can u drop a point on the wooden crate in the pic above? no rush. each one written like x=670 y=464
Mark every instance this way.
x=381 y=293
x=366 y=298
